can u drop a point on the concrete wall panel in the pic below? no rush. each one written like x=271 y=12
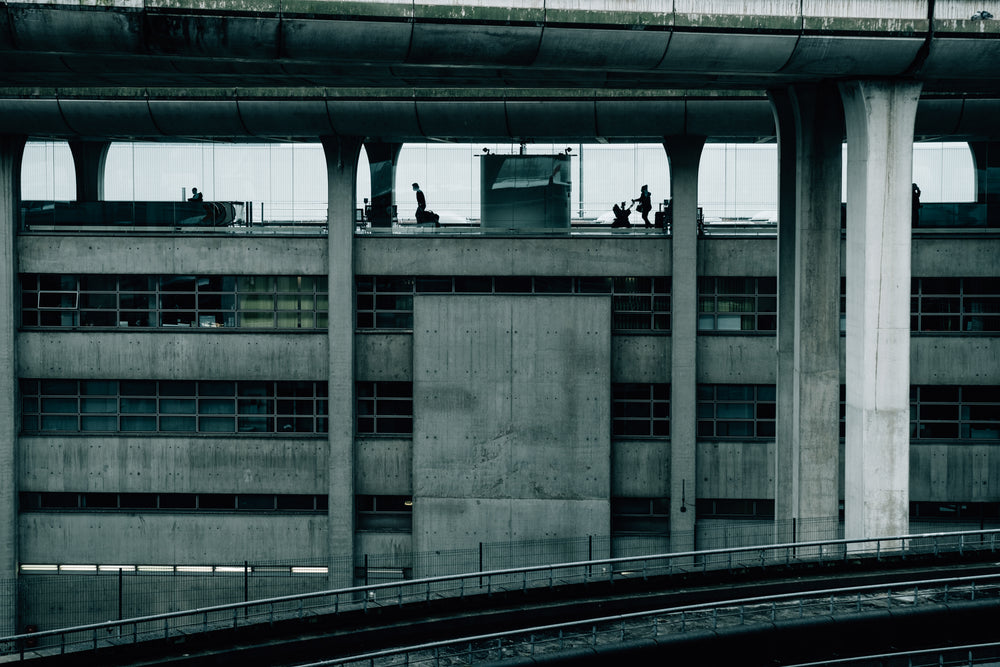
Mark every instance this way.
x=942 y=258
x=383 y=466
x=468 y=119
x=633 y=49
x=167 y=355
x=951 y=360
x=189 y=538
x=387 y=549
x=512 y=418
x=209 y=255
x=640 y=358
x=150 y=464
x=735 y=470
x=751 y=256
x=366 y=41
x=512 y=256
x=950 y=473
x=737 y=359
x=727 y=52
x=383 y=356
x=640 y=468
x=857 y=56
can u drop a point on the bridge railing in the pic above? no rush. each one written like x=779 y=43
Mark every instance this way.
x=653 y=625
x=362 y=598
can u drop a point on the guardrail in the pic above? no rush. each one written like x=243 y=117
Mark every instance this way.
x=655 y=624
x=164 y=626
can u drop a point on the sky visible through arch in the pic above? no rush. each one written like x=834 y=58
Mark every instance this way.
x=288 y=181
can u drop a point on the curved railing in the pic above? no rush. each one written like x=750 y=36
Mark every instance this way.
x=361 y=598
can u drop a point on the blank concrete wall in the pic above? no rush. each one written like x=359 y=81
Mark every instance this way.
x=511 y=419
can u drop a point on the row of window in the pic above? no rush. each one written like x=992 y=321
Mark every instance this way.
x=744 y=304
x=172 y=502
x=638 y=303
x=638 y=410
x=173 y=406
x=261 y=302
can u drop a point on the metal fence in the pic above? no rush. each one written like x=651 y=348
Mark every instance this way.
x=650 y=626
x=164 y=626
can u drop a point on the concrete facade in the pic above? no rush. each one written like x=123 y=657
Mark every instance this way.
x=515 y=398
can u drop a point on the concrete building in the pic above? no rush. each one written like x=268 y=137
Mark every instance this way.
x=183 y=392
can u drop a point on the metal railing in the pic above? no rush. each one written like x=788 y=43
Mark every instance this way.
x=398 y=593
x=652 y=625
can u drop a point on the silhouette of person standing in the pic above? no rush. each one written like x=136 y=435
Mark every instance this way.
x=645 y=200
x=915 y=212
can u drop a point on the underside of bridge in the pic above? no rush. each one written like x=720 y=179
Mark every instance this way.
x=808 y=74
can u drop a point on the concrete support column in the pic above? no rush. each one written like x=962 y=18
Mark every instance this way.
x=88 y=161
x=816 y=323
x=341 y=167
x=382 y=160
x=11 y=150
x=784 y=123
x=684 y=156
x=879 y=117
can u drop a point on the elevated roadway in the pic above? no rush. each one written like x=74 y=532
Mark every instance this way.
x=801 y=585
x=609 y=70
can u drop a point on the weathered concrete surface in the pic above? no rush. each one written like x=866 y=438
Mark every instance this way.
x=879 y=118
x=383 y=356
x=180 y=254
x=640 y=468
x=740 y=359
x=342 y=154
x=640 y=358
x=487 y=256
x=167 y=355
x=511 y=419
x=383 y=466
x=735 y=470
x=816 y=320
x=11 y=149
x=144 y=464
x=186 y=538
x=944 y=472
x=684 y=154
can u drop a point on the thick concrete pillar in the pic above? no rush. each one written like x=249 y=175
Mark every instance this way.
x=382 y=160
x=11 y=150
x=684 y=156
x=879 y=118
x=784 y=123
x=88 y=161
x=341 y=167
x=819 y=129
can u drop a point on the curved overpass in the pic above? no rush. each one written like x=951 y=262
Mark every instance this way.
x=479 y=70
